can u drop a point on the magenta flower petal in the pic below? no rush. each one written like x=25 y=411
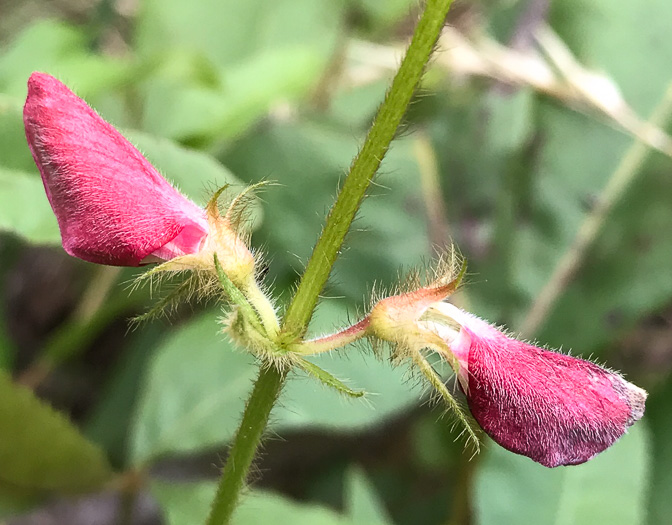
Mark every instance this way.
x=112 y=206
x=555 y=409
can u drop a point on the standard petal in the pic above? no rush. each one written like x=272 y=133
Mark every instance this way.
x=555 y=409
x=112 y=205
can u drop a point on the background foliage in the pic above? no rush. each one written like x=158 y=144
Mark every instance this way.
x=217 y=91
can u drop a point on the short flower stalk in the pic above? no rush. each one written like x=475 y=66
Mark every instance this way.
x=327 y=343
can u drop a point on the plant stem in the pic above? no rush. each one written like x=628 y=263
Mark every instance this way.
x=299 y=312
x=364 y=166
x=330 y=342
x=430 y=182
x=266 y=391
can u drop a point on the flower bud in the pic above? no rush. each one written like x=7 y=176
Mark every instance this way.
x=112 y=206
x=554 y=408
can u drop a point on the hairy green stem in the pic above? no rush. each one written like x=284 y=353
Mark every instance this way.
x=266 y=391
x=364 y=167
x=300 y=310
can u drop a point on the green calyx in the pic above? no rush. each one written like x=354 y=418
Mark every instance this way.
x=254 y=328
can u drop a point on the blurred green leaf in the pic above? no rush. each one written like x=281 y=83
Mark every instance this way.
x=60 y=49
x=266 y=507
x=40 y=449
x=197 y=384
x=382 y=14
x=610 y=39
x=261 y=53
x=434 y=445
x=481 y=140
x=189 y=503
x=355 y=108
x=184 y=503
x=13 y=502
x=611 y=488
x=109 y=425
x=14 y=152
x=509 y=120
x=508 y=20
x=24 y=208
x=659 y=419
x=245 y=93
x=227 y=32
x=195 y=173
x=362 y=504
x=38 y=48
x=194 y=392
x=626 y=273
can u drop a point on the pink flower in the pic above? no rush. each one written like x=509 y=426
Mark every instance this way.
x=554 y=408
x=112 y=206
